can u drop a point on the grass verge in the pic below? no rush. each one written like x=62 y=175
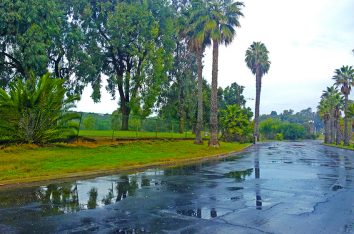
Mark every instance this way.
x=341 y=146
x=27 y=163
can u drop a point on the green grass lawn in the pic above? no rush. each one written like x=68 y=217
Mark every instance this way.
x=29 y=163
x=134 y=134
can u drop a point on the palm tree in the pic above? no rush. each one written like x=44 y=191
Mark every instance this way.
x=330 y=105
x=350 y=114
x=223 y=18
x=196 y=34
x=257 y=61
x=344 y=77
x=323 y=111
x=37 y=111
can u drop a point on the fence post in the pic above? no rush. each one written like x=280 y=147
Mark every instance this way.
x=185 y=130
x=78 y=131
x=137 y=126
x=171 y=128
x=156 y=129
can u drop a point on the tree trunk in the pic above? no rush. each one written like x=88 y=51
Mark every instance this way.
x=350 y=129
x=326 y=132
x=332 y=129
x=199 y=127
x=346 y=133
x=181 y=110
x=214 y=98
x=256 y=115
x=125 y=117
x=338 y=134
x=181 y=123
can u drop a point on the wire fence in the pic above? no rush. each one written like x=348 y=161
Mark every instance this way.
x=95 y=126
x=117 y=126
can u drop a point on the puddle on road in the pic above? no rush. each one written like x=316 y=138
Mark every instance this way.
x=239 y=175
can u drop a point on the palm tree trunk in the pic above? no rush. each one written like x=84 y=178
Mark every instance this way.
x=256 y=115
x=338 y=134
x=332 y=129
x=198 y=133
x=350 y=128
x=214 y=98
x=346 y=135
x=326 y=133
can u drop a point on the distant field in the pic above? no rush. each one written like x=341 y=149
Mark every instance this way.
x=133 y=134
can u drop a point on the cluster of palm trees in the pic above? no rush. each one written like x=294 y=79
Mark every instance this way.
x=213 y=22
x=334 y=100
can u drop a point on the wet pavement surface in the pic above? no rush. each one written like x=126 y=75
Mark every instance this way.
x=285 y=187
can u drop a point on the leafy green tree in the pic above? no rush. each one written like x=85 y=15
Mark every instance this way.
x=344 y=77
x=274 y=129
x=232 y=95
x=270 y=127
x=236 y=123
x=257 y=61
x=37 y=36
x=89 y=122
x=36 y=111
x=177 y=99
x=292 y=131
x=134 y=42
x=222 y=19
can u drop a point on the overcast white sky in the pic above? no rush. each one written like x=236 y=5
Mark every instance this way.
x=307 y=41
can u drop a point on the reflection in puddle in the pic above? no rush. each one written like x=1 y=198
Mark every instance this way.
x=239 y=175
x=202 y=213
x=72 y=197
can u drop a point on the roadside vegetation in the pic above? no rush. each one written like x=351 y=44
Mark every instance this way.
x=337 y=110
x=149 y=53
x=30 y=163
x=305 y=124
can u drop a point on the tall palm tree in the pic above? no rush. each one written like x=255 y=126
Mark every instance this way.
x=257 y=61
x=350 y=114
x=223 y=18
x=344 y=77
x=196 y=34
x=330 y=105
x=323 y=111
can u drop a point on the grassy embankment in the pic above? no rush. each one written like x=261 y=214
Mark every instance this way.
x=341 y=146
x=22 y=164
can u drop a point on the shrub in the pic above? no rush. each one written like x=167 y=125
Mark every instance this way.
x=36 y=111
x=236 y=124
x=279 y=137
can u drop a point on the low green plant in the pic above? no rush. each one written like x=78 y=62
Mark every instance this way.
x=36 y=111
x=279 y=137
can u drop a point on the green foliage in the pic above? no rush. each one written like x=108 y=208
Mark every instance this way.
x=36 y=112
x=308 y=118
x=37 y=36
x=89 y=122
x=274 y=129
x=257 y=58
x=279 y=137
x=236 y=123
x=232 y=95
x=134 y=42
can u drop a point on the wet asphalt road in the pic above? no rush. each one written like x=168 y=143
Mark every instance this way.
x=285 y=187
